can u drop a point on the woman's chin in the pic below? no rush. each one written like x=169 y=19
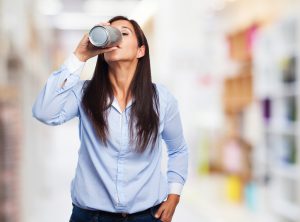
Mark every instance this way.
x=111 y=58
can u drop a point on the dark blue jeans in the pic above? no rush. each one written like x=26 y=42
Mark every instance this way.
x=83 y=215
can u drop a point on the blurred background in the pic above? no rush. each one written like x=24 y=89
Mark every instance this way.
x=233 y=65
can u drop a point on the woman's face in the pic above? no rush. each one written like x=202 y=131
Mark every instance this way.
x=128 y=49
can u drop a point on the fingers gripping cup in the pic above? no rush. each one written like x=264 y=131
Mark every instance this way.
x=105 y=36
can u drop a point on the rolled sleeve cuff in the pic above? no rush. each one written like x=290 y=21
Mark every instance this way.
x=175 y=188
x=73 y=64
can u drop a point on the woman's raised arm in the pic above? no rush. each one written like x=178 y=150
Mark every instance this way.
x=57 y=103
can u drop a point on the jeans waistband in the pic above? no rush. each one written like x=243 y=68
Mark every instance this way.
x=117 y=215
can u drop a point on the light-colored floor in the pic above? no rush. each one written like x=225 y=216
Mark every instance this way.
x=203 y=200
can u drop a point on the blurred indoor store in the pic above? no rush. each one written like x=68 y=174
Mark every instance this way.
x=233 y=66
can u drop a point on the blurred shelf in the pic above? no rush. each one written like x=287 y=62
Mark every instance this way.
x=286 y=129
x=287 y=210
x=277 y=79
x=285 y=90
x=287 y=171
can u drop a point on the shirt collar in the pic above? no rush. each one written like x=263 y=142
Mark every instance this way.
x=116 y=105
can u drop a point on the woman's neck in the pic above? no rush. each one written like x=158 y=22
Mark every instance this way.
x=121 y=75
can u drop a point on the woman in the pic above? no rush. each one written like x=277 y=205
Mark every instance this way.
x=123 y=118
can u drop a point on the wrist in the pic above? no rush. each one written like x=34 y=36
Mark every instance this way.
x=173 y=198
x=81 y=57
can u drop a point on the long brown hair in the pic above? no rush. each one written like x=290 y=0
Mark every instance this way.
x=144 y=116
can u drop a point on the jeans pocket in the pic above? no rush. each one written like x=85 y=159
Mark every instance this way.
x=153 y=211
x=76 y=218
x=79 y=215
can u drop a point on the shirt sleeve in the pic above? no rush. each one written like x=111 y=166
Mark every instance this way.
x=57 y=103
x=177 y=148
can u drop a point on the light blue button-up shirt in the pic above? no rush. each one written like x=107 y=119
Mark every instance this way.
x=115 y=178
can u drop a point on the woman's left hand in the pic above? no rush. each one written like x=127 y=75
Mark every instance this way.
x=166 y=210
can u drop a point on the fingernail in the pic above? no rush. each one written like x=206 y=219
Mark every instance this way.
x=156 y=215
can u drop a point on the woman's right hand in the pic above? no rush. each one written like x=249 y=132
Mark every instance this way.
x=85 y=50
